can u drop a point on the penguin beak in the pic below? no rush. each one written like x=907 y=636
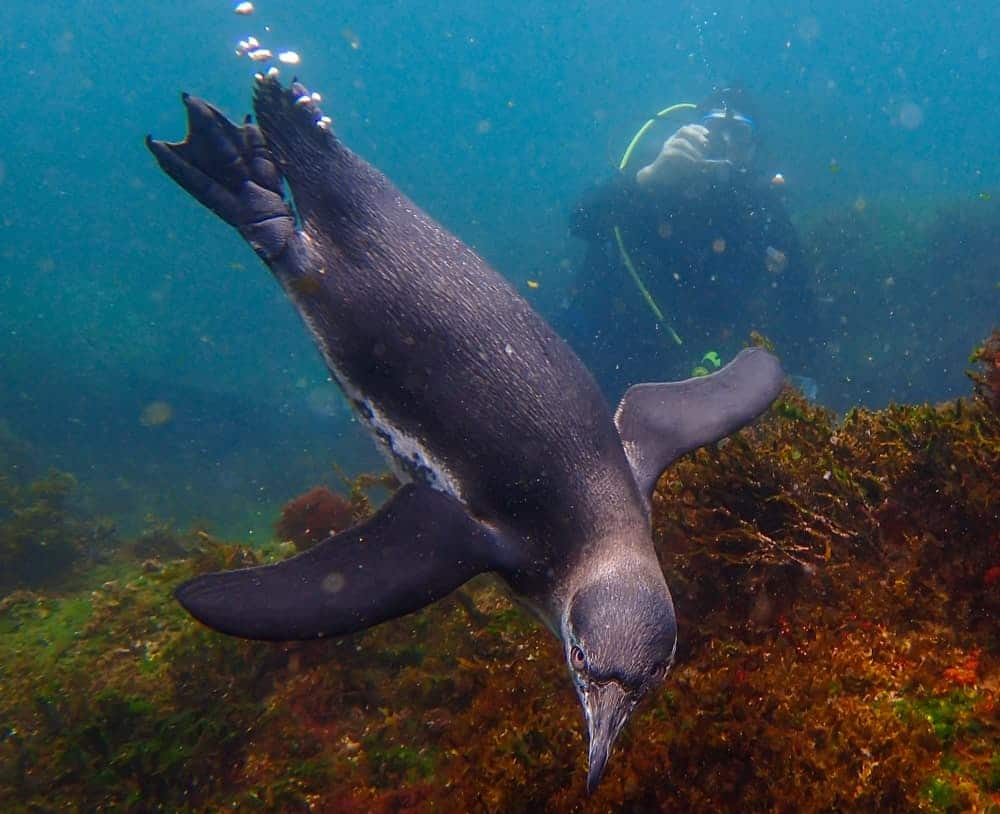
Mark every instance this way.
x=607 y=707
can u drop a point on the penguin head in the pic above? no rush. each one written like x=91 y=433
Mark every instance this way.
x=620 y=636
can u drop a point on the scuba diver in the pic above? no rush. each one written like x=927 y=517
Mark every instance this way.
x=688 y=256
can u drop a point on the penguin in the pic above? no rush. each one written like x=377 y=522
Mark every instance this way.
x=510 y=458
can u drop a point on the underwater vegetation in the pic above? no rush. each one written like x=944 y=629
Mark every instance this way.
x=314 y=516
x=42 y=536
x=837 y=582
x=987 y=379
x=320 y=512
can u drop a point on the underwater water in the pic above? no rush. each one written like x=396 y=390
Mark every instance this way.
x=161 y=404
x=495 y=120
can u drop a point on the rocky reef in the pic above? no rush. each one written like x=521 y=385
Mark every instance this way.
x=838 y=586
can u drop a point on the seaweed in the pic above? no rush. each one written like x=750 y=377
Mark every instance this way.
x=987 y=378
x=158 y=539
x=314 y=516
x=46 y=537
x=40 y=538
x=837 y=584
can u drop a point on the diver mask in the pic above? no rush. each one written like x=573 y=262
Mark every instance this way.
x=731 y=136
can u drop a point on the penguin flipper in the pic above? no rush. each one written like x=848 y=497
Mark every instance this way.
x=658 y=423
x=417 y=548
x=229 y=169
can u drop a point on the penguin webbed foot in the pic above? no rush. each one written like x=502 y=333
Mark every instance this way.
x=229 y=169
x=417 y=548
x=660 y=422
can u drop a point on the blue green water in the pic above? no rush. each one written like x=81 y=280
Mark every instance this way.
x=119 y=292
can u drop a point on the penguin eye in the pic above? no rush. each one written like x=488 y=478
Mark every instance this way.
x=576 y=658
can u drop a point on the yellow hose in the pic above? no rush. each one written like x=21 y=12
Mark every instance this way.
x=641 y=132
x=626 y=259
x=646 y=295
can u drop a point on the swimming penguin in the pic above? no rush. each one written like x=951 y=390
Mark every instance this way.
x=511 y=460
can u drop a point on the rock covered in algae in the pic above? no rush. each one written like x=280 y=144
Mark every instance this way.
x=839 y=593
x=42 y=536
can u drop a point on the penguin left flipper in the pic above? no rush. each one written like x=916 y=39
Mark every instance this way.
x=421 y=545
x=658 y=423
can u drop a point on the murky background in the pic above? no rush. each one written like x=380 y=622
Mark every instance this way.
x=145 y=349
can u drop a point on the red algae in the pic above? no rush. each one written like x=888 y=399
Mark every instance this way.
x=314 y=516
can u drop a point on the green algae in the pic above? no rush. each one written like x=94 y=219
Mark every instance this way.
x=942 y=796
x=993 y=778
x=950 y=716
x=40 y=539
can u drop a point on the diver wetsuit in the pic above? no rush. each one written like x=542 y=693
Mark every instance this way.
x=719 y=263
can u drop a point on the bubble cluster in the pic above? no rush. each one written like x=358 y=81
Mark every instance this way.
x=252 y=48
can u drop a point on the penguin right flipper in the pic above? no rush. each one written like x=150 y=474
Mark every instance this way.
x=658 y=423
x=419 y=546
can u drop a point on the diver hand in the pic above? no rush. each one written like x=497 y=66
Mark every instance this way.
x=682 y=157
